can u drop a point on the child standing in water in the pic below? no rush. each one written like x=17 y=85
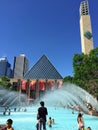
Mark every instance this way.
x=88 y=128
x=53 y=122
x=50 y=122
x=8 y=125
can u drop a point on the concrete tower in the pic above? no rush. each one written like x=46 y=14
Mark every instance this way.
x=21 y=66
x=85 y=28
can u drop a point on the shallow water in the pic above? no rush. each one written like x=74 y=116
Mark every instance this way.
x=64 y=119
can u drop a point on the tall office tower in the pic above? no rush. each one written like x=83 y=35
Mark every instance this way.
x=85 y=28
x=21 y=66
x=5 y=68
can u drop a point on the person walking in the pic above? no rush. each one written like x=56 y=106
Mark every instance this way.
x=41 y=116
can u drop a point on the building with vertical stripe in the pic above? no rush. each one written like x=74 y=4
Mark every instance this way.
x=21 y=66
x=85 y=28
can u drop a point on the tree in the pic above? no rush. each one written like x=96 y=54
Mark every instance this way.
x=86 y=71
x=5 y=82
x=68 y=79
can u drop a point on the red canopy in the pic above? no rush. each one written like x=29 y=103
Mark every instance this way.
x=59 y=84
x=32 y=85
x=23 y=85
x=30 y=99
x=42 y=85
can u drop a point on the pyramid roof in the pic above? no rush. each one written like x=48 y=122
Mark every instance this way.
x=43 y=69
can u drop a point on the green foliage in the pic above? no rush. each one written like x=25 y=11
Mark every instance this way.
x=68 y=79
x=5 y=82
x=86 y=71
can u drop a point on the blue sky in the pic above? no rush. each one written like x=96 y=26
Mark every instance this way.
x=50 y=27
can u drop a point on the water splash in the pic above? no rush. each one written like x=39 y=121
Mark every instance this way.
x=70 y=95
x=12 y=98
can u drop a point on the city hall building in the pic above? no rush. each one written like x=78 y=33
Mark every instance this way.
x=40 y=79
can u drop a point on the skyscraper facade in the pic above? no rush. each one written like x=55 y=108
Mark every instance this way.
x=85 y=28
x=5 y=68
x=21 y=66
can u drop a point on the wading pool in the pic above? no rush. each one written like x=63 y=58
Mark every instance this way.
x=64 y=119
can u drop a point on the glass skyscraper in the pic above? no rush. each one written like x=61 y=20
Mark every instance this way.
x=5 y=68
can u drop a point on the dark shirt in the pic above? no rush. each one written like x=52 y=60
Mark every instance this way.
x=42 y=112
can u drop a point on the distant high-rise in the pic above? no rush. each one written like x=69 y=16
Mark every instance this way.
x=5 y=68
x=85 y=28
x=21 y=66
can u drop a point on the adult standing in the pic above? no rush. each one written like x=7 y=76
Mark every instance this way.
x=80 y=122
x=42 y=113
